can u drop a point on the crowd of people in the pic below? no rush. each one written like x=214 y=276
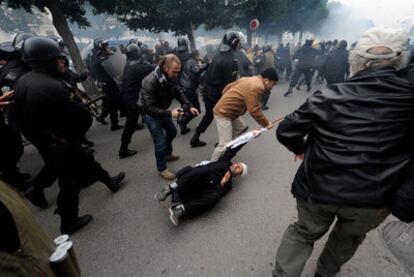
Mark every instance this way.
x=354 y=137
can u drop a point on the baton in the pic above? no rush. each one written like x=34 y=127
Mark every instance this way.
x=278 y=120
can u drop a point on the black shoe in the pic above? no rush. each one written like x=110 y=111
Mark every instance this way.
x=288 y=93
x=116 y=127
x=101 y=120
x=125 y=153
x=184 y=130
x=79 y=223
x=38 y=199
x=196 y=142
x=115 y=183
x=265 y=108
x=309 y=89
x=139 y=126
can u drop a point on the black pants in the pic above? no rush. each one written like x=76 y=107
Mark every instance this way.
x=192 y=96
x=11 y=152
x=208 y=117
x=265 y=98
x=132 y=115
x=73 y=165
x=198 y=198
x=111 y=103
x=307 y=72
x=92 y=170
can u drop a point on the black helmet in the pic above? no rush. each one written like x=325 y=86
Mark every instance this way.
x=99 y=43
x=267 y=48
x=182 y=45
x=229 y=42
x=40 y=49
x=19 y=39
x=132 y=52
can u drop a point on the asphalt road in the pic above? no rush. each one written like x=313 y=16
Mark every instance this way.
x=131 y=234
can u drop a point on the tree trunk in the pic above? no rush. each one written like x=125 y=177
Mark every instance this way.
x=62 y=27
x=249 y=37
x=190 y=35
x=300 y=37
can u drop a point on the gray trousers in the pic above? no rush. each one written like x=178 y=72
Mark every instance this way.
x=314 y=220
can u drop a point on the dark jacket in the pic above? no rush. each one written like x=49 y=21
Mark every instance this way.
x=193 y=181
x=244 y=64
x=190 y=72
x=359 y=140
x=45 y=106
x=222 y=71
x=336 y=65
x=306 y=56
x=132 y=76
x=155 y=97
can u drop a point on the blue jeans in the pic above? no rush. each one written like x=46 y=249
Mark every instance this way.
x=163 y=132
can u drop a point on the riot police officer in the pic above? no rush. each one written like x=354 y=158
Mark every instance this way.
x=112 y=100
x=188 y=80
x=222 y=71
x=55 y=123
x=134 y=72
x=11 y=140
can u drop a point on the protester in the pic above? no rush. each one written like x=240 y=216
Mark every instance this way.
x=355 y=140
x=238 y=97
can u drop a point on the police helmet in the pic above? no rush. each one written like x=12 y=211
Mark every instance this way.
x=19 y=39
x=40 y=49
x=100 y=43
x=230 y=41
x=132 y=52
x=182 y=45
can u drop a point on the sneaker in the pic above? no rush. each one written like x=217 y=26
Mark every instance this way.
x=163 y=194
x=167 y=174
x=79 y=223
x=171 y=158
x=176 y=212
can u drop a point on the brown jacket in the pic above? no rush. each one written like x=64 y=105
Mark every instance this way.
x=240 y=96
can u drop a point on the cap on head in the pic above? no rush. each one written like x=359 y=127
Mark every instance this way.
x=395 y=40
x=245 y=169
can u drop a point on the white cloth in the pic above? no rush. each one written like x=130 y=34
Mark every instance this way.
x=245 y=138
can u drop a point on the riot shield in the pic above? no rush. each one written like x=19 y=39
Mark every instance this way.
x=114 y=65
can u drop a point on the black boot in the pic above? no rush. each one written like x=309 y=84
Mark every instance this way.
x=116 y=126
x=37 y=198
x=184 y=129
x=101 y=120
x=288 y=92
x=196 y=142
x=125 y=153
x=71 y=226
x=115 y=183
